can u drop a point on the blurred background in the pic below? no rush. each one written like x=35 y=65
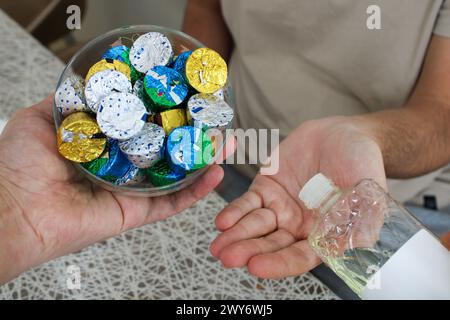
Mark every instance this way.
x=46 y=19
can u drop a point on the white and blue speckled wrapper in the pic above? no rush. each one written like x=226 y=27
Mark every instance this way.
x=69 y=98
x=146 y=148
x=208 y=111
x=121 y=115
x=149 y=50
x=220 y=94
x=102 y=84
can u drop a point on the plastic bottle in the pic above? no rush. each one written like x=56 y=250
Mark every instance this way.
x=374 y=244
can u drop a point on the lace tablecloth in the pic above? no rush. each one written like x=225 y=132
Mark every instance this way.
x=166 y=260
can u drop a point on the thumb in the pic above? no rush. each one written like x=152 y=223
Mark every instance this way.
x=45 y=107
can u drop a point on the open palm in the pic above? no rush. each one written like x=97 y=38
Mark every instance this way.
x=266 y=229
x=58 y=211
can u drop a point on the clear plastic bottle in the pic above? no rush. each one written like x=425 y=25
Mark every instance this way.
x=374 y=244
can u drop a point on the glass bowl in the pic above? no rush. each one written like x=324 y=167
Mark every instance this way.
x=92 y=53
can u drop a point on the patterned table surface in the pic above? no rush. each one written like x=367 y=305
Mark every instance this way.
x=166 y=260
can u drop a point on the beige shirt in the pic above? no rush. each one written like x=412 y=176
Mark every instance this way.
x=297 y=60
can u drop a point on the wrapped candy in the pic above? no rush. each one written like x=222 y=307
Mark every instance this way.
x=144 y=101
x=171 y=119
x=150 y=50
x=95 y=165
x=206 y=71
x=165 y=87
x=179 y=64
x=114 y=167
x=189 y=148
x=119 y=52
x=146 y=148
x=117 y=165
x=122 y=54
x=139 y=91
x=79 y=138
x=220 y=94
x=108 y=64
x=161 y=174
x=121 y=115
x=69 y=97
x=133 y=176
x=207 y=111
x=102 y=84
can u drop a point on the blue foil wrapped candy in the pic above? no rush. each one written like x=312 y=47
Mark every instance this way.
x=117 y=164
x=114 y=167
x=133 y=176
x=122 y=53
x=188 y=149
x=117 y=53
x=179 y=64
x=165 y=87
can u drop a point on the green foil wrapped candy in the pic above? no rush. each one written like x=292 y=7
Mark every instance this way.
x=161 y=174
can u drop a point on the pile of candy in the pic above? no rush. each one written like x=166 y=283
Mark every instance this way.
x=142 y=113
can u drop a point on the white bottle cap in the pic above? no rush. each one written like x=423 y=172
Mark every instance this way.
x=316 y=190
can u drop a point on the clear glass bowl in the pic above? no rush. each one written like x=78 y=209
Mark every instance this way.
x=92 y=53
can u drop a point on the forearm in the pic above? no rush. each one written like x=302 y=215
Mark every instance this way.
x=415 y=139
x=204 y=21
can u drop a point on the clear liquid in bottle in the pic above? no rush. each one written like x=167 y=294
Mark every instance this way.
x=357 y=231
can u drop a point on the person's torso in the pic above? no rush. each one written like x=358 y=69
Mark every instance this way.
x=297 y=60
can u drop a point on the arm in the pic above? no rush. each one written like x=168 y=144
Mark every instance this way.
x=204 y=21
x=47 y=211
x=266 y=229
x=416 y=138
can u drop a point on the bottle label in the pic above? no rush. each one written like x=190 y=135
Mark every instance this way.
x=420 y=269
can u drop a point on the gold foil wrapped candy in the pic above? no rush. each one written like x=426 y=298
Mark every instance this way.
x=76 y=138
x=171 y=119
x=109 y=64
x=206 y=71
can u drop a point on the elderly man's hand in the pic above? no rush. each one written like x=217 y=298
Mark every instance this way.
x=266 y=229
x=48 y=210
